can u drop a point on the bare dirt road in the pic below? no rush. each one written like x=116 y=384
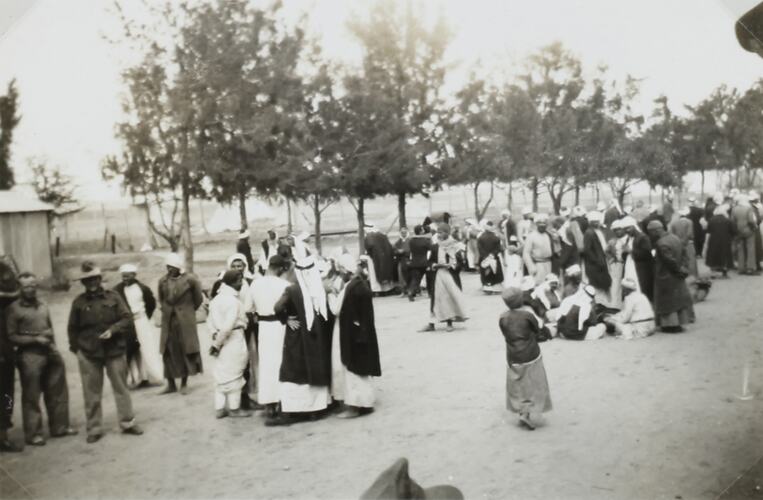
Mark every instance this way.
x=655 y=418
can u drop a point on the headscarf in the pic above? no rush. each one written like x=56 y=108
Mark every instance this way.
x=579 y=211
x=311 y=285
x=573 y=270
x=174 y=260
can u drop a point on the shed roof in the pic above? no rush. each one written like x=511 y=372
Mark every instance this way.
x=15 y=202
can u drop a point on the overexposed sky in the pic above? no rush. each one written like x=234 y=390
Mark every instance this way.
x=68 y=75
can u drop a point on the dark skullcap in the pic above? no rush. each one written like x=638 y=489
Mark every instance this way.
x=513 y=297
x=231 y=276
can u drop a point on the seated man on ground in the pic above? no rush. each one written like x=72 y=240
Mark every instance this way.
x=636 y=319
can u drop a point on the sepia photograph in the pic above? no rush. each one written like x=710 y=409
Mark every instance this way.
x=381 y=249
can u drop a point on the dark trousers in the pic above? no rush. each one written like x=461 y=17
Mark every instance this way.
x=42 y=372
x=746 y=254
x=414 y=280
x=7 y=381
x=91 y=370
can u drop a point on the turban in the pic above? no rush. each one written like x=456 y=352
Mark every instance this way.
x=230 y=277
x=128 y=268
x=579 y=211
x=684 y=211
x=601 y=206
x=528 y=283
x=551 y=278
x=616 y=224
x=627 y=222
x=589 y=290
x=595 y=216
x=573 y=270
x=347 y=262
x=174 y=260
x=243 y=235
x=527 y=211
x=565 y=212
x=513 y=297
x=541 y=219
x=505 y=212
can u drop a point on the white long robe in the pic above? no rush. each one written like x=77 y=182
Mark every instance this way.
x=148 y=337
x=226 y=322
x=263 y=295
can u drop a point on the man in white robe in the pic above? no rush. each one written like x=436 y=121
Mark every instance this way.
x=226 y=323
x=538 y=250
x=145 y=365
x=263 y=295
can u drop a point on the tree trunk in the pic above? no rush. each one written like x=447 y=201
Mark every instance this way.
x=186 y=227
x=510 y=201
x=598 y=194
x=621 y=196
x=535 y=183
x=475 y=190
x=487 y=204
x=289 y=225
x=401 y=210
x=577 y=195
x=361 y=212
x=203 y=218
x=702 y=184
x=317 y=221
x=242 y=210
x=556 y=200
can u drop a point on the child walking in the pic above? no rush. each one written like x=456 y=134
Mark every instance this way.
x=526 y=385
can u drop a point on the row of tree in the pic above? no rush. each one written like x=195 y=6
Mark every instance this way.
x=226 y=100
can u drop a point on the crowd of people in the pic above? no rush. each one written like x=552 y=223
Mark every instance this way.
x=293 y=334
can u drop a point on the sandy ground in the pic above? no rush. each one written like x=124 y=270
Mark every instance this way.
x=655 y=418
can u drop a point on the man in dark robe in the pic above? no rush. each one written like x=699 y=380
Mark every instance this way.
x=402 y=257
x=358 y=346
x=673 y=305
x=612 y=213
x=418 y=261
x=696 y=214
x=243 y=247
x=269 y=248
x=756 y=208
x=641 y=251
x=720 y=233
x=569 y=253
x=9 y=291
x=654 y=214
x=490 y=259
x=379 y=249
x=508 y=227
x=594 y=258
x=306 y=364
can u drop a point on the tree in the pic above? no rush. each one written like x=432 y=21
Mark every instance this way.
x=53 y=186
x=373 y=138
x=403 y=61
x=745 y=134
x=554 y=83
x=703 y=139
x=164 y=144
x=243 y=63
x=9 y=119
x=311 y=172
x=517 y=122
x=474 y=144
